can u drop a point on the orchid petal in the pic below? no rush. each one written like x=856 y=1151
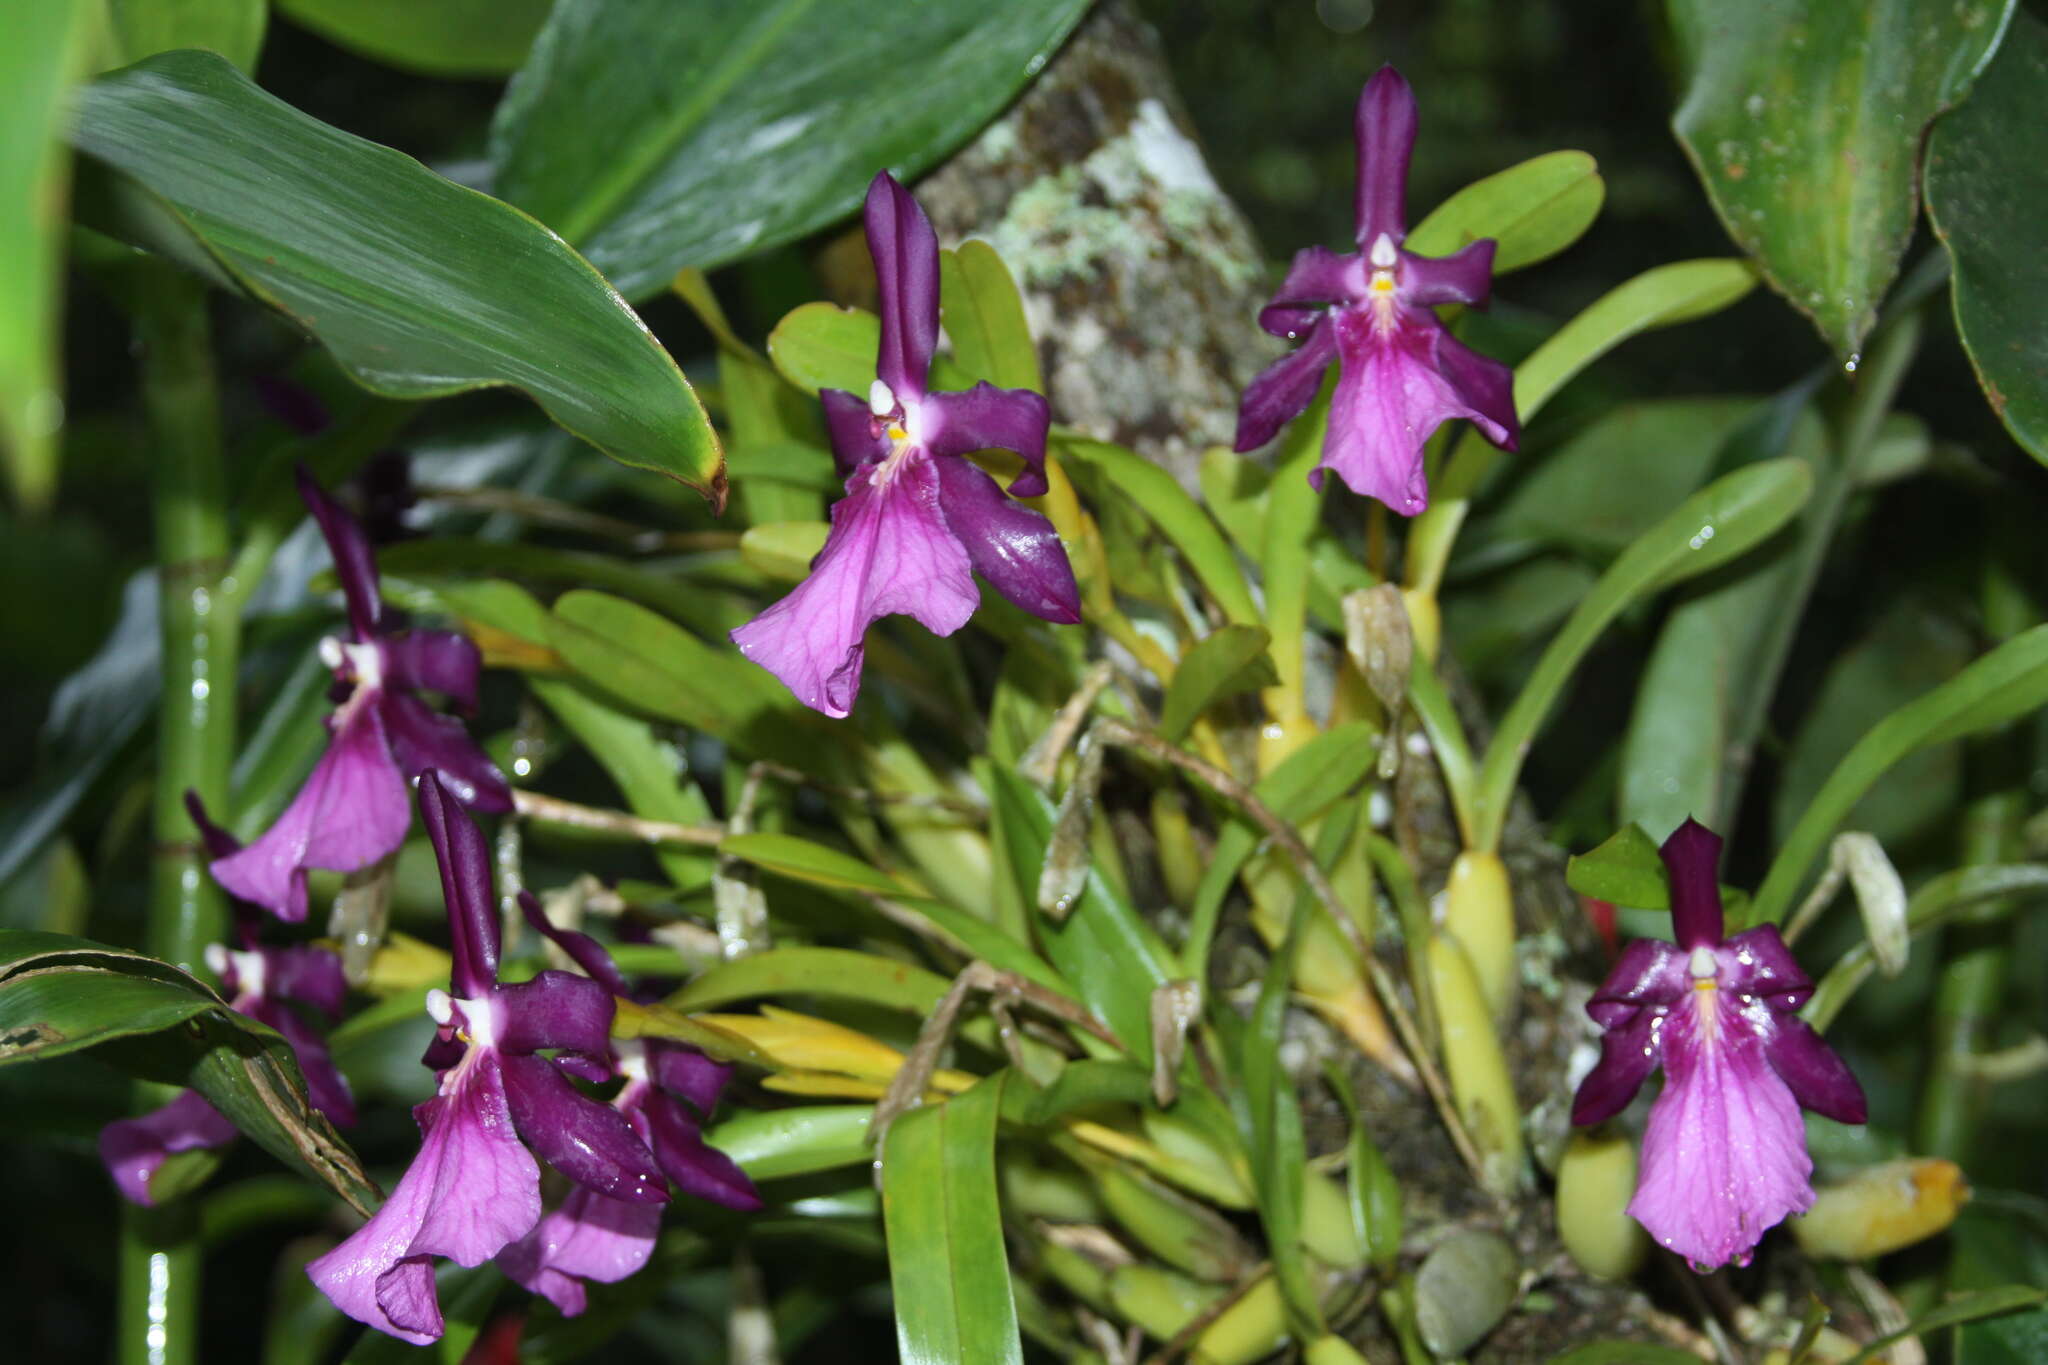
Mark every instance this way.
x=585 y=951
x=591 y=1143
x=1386 y=137
x=1628 y=1053
x=293 y=404
x=1011 y=546
x=1818 y=1079
x=589 y=1237
x=1757 y=962
x=1284 y=389
x=1692 y=855
x=355 y=564
x=684 y=1071
x=1465 y=276
x=556 y=1010
x=351 y=812
x=1648 y=972
x=308 y=974
x=465 y=889
x=1486 y=387
x=422 y=738
x=851 y=427
x=1389 y=399
x=906 y=256
x=326 y=1089
x=217 y=841
x=134 y=1149
x=439 y=660
x=988 y=418
x=889 y=551
x=694 y=1165
x=1317 y=277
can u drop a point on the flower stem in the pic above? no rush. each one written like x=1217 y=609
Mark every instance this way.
x=159 y=1264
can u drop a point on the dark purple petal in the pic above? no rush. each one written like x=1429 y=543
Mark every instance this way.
x=682 y=1070
x=306 y=973
x=351 y=812
x=439 y=660
x=465 y=887
x=293 y=404
x=1628 y=1053
x=696 y=1167
x=444 y=1051
x=1285 y=388
x=1386 y=138
x=1648 y=972
x=591 y=1143
x=217 y=841
x=589 y=1237
x=556 y=1010
x=1291 y=321
x=1692 y=855
x=1486 y=387
x=906 y=254
x=326 y=1088
x=889 y=551
x=1318 y=277
x=1757 y=962
x=585 y=951
x=422 y=738
x=1465 y=276
x=134 y=1149
x=1817 y=1078
x=988 y=418
x=1010 y=545
x=354 y=564
x=851 y=426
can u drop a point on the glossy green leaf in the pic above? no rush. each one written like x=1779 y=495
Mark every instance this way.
x=417 y=286
x=804 y=861
x=839 y=973
x=438 y=38
x=1960 y=1308
x=1804 y=120
x=948 y=1267
x=1721 y=521
x=232 y=28
x=729 y=129
x=45 y=43
x=820 y=346
x=1178 y=516
x=771 y=1143
x=2009 y=682
x=60 y=994
x=1623 y=871
x=1222 y=664
x=1987 y=194
x=1532 y=211
x=984 y=318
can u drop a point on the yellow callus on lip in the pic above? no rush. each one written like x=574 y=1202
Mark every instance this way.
x=1883 y=1208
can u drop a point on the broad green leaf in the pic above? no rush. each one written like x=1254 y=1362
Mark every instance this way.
x=498 y=614
x=44 y=45
x=1178 y=516
x=648 y=769
x=1720 y=522
x=2009 y=682
x=771 y=1143
x=1532 y=211
x=947 y=1264
x=729 y=129
x=1223 y=664
x=1804 y=120
x=417 y=286
x=232 y=28
x=1987 y=194
x=783 y=550
x=436 y=38
x=821 y=346
x=984 y=318
x=1624 y=871
x=60 y=994
x=837 y=972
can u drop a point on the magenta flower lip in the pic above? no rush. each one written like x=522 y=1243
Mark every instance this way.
x=1724 y=1157
x=917 y=522
x=354 y=807
x=1400 y=373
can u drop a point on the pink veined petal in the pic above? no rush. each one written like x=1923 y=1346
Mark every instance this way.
x=471 y=1191
x=589 y=1237
x=1724 y=1157
x=988 y=418
x=1386 y=137
x=1465 y=276
x=352 y=811
x=135 y=1149
x=1284 y=389
x=906 y=256
x=890 y=551
x=1389 y=399
x=1011 y=546
x=851 y=428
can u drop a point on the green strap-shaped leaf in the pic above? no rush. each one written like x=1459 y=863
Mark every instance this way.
x=1804 y=119
x=60 y=994
x=1987 y=194
x=438 y=38
x=947 y=1265
x=769 y=1143
x=984 y=318
x=2007 y=683
x=1222 y=664
x=731 y=128
x=418 y=286
x=1531 y=211
x=233 y=28
x=837 y=972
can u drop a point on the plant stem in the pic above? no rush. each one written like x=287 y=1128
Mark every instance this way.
x=201 y=635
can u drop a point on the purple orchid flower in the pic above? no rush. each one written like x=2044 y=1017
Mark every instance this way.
x=354 y=809
x=474 y=1188
x=258 y=981
x=917 y=523
x=1400 y=373
x=1724 y=1157
x=670 y=1087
